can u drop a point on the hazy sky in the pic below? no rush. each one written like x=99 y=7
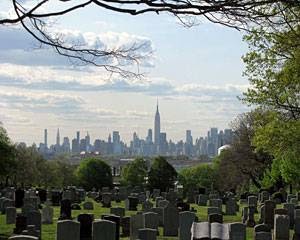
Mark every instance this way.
x=196 y=74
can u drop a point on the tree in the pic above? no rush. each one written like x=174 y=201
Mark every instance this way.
x=135 y=173
x=162 y=175
x=7 y=156
x=34 y=19
x=202 y=175
x=94 y=173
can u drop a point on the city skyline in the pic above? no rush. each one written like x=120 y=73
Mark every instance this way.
x=153 y=144
x=196 y=73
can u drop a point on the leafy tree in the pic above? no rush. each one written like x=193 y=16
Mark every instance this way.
x=7 y=156
x=135 y=173
x=202 y=175
x=162 y=175
x=94 y=173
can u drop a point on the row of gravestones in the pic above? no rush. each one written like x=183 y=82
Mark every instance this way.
x=281 y=220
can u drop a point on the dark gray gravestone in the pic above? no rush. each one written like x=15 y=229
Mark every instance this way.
x=21 y=223
x=119 y=211
x=136 y=223
x=116 y=219
x=11 y=213
x=68 y=229
x=65 y=209
x=250 y=220
x=150 y=220
x=186 y=220
x=104 y=230
x=237 y=231
x=125 y=224
x=269 y=213
x=35 y=218
x=215 y=218
x=171 y=221
x=86 y=221
x=147 y=234
x=133 y=203
x=281 y=227
x=291 y=212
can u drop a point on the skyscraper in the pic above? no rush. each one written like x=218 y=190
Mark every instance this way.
x=46 y=138
x=58 y=138
x=157 y=128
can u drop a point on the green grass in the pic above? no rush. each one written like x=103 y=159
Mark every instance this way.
x=49 y=230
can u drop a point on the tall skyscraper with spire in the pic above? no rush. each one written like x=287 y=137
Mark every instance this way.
x=58 y=138
x=157 y=128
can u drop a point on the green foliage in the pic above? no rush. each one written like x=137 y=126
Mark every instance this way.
x=162 y=175
x=135 y=173
x=281 y=138
x=7 y=155
x=94 y=173
x=202 y=175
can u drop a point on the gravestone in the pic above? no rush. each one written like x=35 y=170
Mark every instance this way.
x=11 y=214
x=170 y=220
x=160 y=212
x=163 y=203
x=215 y=218
x=68 y=229
x=250 y=220
x=19 y=196
x=200 y=231
x=116 y=219
x=183 y=206
x=219 y=231
x=297 y=229
x=47 y=215
x=269 y=213
x=104 y=230
x=133 y=203
x=281 y=227
x=280 y=211
x=106 y=199
x=65 y=209
x=23 y=237
x=150 y=220
x=157 y=199
x=35 y=218
x=216 y=203
x=30 y=230
x=125 y=224
x=136 y=223
x=213 y=210
x=7 y=203
x=88 y=206
x=202 y=200
x=230 y=207
x=42 y=193
x=237 y=231
x=147 y=205
x=86 y=221
x=263 y=236
x=119 y=211
x=291 y=212
x=186 y=220
x=21 y=223
x=147 y=234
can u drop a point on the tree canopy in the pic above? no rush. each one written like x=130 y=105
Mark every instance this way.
x=162 y=175
x=135 y=173
x=94 y=173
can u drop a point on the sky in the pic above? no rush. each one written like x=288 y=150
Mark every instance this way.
x=194 y=73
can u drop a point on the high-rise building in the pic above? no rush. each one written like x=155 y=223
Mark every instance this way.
x=157 y=128
x=46 y=138
x=188 y=148
x=58 y=138
x=149 y=136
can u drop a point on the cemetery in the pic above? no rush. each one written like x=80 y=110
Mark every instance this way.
x=132 y=213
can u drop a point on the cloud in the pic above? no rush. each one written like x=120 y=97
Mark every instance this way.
x=18 y=47
x=49 y=78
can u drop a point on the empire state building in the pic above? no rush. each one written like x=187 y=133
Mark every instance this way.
x=157 y=128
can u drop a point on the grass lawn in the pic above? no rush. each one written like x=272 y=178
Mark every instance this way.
x=49 y=230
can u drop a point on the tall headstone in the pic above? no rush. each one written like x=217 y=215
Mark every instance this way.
x=281 y=227
x=237 y=231
x=269 y=212
x=150 y=220
x=171 y=221
x=68 y=229
x=186 y=220
x=11 y=214
x=65 y=209
x=104 y=230
x=136 y=223
x=86 y=223
x=47 y=215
